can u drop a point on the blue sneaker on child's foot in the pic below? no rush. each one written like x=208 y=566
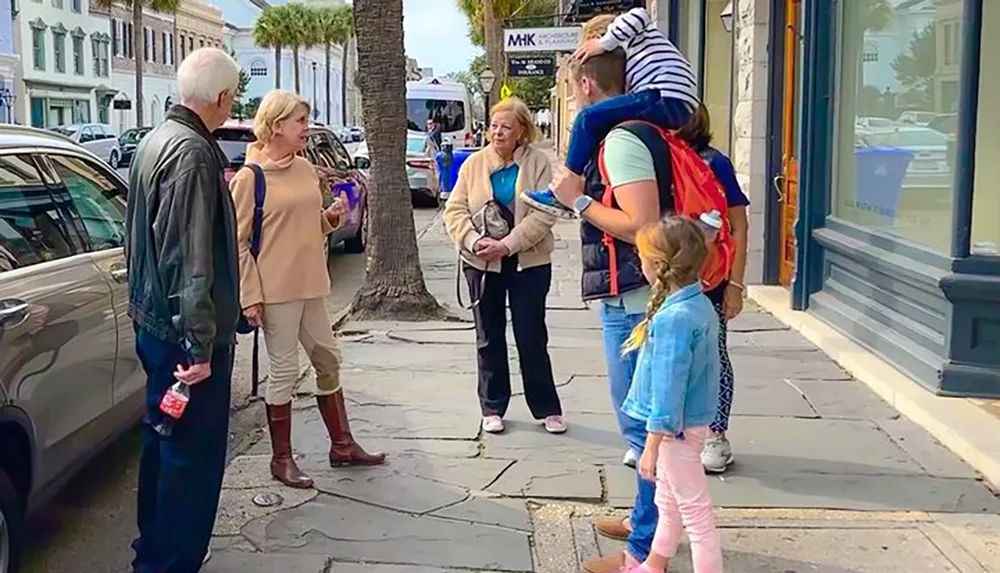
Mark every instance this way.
x=546 y=201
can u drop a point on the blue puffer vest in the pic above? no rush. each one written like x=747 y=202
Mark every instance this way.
x=611 y=266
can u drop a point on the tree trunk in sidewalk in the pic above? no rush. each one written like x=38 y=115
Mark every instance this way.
x=277 y=67
x=493 y=36
x=394 y=282
x=295 y=68
x=139 y=49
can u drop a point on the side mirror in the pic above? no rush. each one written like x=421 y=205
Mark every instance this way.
x=362 y=163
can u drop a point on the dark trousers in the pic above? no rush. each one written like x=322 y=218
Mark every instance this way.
x=527 y=290
x=594 y=122
x=180 y=476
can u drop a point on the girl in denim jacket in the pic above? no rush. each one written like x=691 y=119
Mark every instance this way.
x=675 y=390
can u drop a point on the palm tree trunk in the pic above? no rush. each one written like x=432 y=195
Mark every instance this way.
x=329 y=119
x=277 y=67
x=394 y=285
x=295 y=68
x=344 y=78
x=139 y=50
x=493 y=37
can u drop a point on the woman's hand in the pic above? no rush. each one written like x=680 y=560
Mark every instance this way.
x=254 y=315
x=491 y=249
x=588 y=50
x=732 y=302
x=336 y=210
x=647 y=463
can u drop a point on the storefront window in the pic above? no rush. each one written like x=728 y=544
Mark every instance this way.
x=898 y=95
x=986 y=191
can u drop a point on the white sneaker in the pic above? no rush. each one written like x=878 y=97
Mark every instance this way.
x=555 y=425
x=630 y=459
x=717 y=454
x=492 y=424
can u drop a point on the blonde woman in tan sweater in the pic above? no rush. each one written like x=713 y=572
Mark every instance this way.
x=283 y=290
x=517 y=267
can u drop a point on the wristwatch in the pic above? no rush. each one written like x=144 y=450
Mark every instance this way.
x=581 y=204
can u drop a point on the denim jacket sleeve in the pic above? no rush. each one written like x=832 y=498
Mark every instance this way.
x=671 y=338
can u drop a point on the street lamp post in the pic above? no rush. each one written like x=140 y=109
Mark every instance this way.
x=727 y=17
x=486 y=80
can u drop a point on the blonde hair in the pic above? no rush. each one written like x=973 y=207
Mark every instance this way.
x=516 y=106
x=277 y=106
x=676 y=247
x=596 y=27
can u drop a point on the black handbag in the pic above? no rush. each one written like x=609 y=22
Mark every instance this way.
x=243 y=326
x=495 y=221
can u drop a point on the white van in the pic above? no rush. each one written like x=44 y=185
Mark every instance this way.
x=447 y=101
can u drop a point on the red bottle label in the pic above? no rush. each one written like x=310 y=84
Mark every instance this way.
x=174 y=403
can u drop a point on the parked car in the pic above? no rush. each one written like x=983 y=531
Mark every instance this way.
x=357 y=133
x=97 y=138
x=70 y=382
x=128 y=142
x=930 y=166
x=921 y=118
x=421 y=170
x=333 y=164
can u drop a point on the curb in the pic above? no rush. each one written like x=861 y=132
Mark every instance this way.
x=958 y=424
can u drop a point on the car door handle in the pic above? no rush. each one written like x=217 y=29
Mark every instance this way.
x=119 y=275
x=13 y=312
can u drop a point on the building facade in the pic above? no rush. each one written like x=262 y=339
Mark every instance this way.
x=159 y=63
x=10 y=66
x=198 y=25
x=67 y=64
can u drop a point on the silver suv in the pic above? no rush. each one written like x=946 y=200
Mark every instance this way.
x=70 y=381
x=97 y=138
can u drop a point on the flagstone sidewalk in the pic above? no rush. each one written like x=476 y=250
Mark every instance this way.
x=828 y=478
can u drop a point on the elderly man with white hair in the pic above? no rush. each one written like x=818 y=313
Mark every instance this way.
x=184 y=302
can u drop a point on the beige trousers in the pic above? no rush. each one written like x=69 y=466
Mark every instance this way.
x=285 y=326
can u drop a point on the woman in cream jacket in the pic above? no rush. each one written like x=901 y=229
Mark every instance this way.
x=517 y=267
x=283 y=290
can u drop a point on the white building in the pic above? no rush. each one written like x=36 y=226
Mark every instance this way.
x=240 y=16
x=881 y=47
x=66 y=62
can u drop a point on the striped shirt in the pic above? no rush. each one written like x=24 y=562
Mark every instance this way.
x=652 y=61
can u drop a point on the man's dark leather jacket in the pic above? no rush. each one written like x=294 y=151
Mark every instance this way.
x=181 y=250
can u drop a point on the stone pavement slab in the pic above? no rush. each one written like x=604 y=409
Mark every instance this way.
x=809 y=441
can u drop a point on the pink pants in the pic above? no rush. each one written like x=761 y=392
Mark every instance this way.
x=684 y=503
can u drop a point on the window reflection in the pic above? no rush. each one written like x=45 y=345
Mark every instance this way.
x=898 y=91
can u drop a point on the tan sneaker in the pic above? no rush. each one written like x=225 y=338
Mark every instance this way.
x=607 y=564
x=614 y=528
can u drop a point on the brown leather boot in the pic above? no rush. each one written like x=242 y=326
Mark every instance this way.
x=283 y=468
x=344 y=451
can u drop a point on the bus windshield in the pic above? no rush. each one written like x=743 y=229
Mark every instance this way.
x=449 y=113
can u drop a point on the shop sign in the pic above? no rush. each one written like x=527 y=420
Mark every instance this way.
x=563 y=39
x=531 y=67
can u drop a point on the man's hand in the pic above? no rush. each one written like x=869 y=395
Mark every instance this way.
x=191 y=375
x=588 y=50
x=567 y=186
x=491 y=249
x=732 y=303
x=254 y=315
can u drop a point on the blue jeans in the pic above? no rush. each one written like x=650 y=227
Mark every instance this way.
x=593 y=123
x=180 y=476
x=617 y=325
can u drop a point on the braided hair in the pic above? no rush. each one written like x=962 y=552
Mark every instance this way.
x=675 y=246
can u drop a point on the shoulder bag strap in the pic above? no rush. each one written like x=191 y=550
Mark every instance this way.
x=259 y=194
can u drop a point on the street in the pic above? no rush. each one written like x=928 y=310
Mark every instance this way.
x=92 y=522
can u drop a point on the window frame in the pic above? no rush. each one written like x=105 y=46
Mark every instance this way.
x=46 y=159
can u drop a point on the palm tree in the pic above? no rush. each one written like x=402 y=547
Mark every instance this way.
x=394 y=285
x=138 y=38
x=335 y=27
x=271 y=31
x=302 y=33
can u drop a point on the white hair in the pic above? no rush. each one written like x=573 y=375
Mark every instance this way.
x=205 y=74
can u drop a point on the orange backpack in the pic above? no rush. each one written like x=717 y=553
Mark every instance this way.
x=694 y=189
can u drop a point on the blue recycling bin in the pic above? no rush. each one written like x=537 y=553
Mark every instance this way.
x=879 y=174
x=449 y=174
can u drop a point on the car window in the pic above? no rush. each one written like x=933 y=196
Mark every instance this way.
x=38 y=223
x=414 y=145
x=324 y=150
x=99 y=201
x=233 y=142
